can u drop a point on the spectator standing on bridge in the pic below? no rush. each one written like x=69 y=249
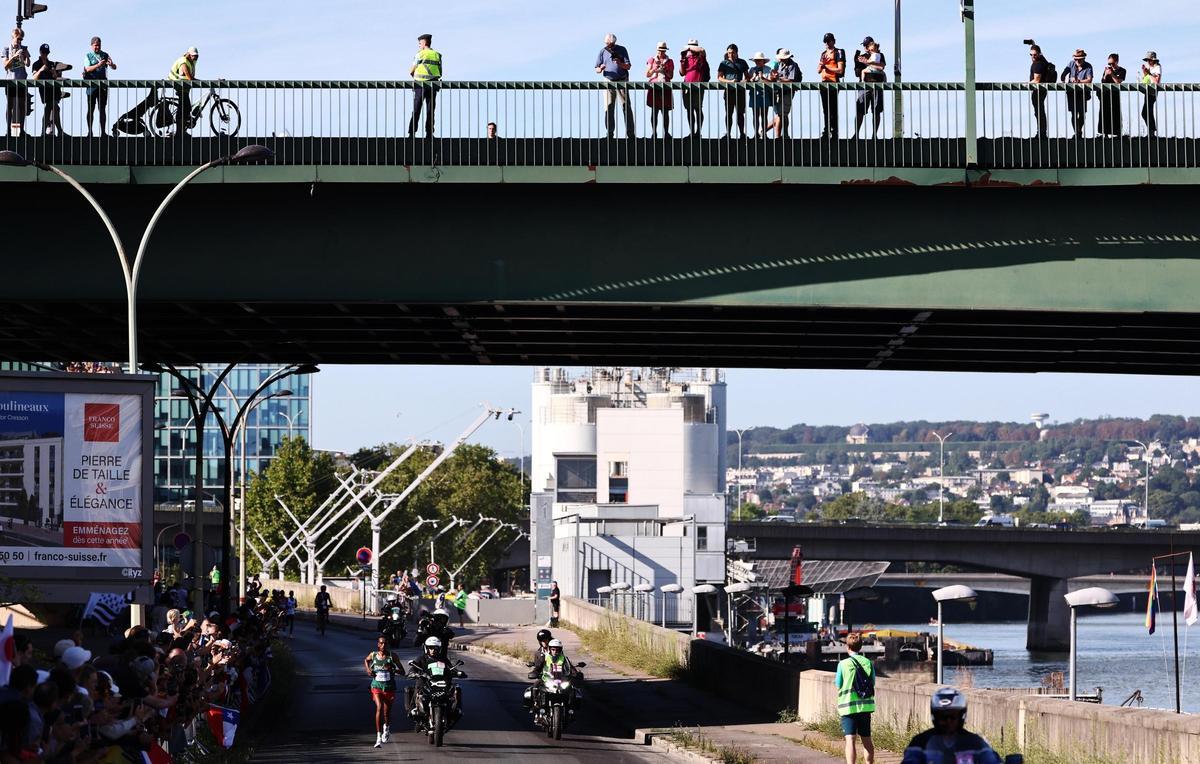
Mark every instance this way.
x=612 y=63
x=872 y=68
x=732 y=71
x=660 y=69
x=426 y=69
x=46 y=70
x=491 y=131
x=183 y=70
x=1078 y=72
x=1110 y=98
x=1151 y=79
x=831 y=68
x=694 y=68
x=95 y=67
x=555 y=603
x=16 y=67
x=1041 y=72
x=760 y=95
x=855 y=683
x=786 y=71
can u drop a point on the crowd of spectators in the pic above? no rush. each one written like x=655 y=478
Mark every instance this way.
x=150 y=693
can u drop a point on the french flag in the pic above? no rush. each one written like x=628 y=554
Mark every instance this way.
x=223 y=722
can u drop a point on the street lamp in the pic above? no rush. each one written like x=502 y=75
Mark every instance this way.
x=696 y=592
x=955 y=593
x=740 y=587
x=241 y=431
x=642 y=589
x=942 y=473
x=739 y=477
x=521 y=464
x=666 y=589
x=289 y=421
x=1146 y=459
x=1093 y=596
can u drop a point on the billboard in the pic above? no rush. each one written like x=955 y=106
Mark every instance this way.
x=76 y=478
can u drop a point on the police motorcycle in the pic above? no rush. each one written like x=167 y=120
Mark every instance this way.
x=948 y=742
x=437 y=702
x=392 y=621
x=556 y=697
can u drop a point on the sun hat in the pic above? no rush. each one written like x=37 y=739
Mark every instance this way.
x=75 y=657
x=784 y=55
x=192 y=51
x=1151 y=56
x=662 y=46
x=692 y=44
x=759 y=56
x=1080 y=53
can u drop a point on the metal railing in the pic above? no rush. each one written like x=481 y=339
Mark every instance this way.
x=569 y=124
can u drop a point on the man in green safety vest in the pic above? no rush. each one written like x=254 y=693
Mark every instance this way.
x=855 y=682
x=426 y=69
x=460 y=603
x=184 y=70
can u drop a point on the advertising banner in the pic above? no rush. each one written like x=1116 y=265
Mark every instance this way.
x=75 y=476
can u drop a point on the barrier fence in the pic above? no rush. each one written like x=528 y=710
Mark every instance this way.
x=569 y=124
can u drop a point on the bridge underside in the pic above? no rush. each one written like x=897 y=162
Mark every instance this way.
x=844 y=277
x=534 y=333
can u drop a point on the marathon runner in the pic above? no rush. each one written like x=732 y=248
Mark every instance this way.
x=382 y=667
x=323 y=602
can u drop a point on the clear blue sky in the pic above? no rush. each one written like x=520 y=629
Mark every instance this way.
x=523 y=39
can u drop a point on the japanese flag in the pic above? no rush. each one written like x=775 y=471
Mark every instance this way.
x=8 y=651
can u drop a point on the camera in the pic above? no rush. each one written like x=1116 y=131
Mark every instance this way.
x=1029 y=42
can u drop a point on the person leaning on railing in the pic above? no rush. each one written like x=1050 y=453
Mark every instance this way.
x=1040 y=72
x=1110 y=98
x=660 y=69
x=426 y=68
x=184 y=70
x=1078 y=72
x=831 y=68
x=95 y=67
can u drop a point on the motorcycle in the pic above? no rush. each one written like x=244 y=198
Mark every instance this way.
x=557 y=699
x=392 y=623
x=436 y=698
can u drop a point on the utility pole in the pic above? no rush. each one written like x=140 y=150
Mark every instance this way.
x=1146 y=459
x=898 y=102
x=739 y=477
x=967 y=10
x=942 y=473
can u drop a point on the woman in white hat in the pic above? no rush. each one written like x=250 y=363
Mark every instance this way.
x=693 y=67
x=1151 y=78
x=760 y=96
x=660 y=69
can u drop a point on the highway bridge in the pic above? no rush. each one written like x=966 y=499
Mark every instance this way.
x=1047 y=558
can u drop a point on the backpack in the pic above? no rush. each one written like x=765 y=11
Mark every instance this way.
x=1051 y=75
x=705 y=72
x=864 y=682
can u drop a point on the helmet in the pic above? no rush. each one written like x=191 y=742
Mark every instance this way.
x=544 y=635
x=948 y=700
x=433 y=642
x=442 y=612
x=556 y=643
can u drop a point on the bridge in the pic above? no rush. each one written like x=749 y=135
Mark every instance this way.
x=1005 y=584
x=1047 y=558
x=357 y=243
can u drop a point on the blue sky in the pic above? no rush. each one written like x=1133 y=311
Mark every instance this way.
x=523 y=39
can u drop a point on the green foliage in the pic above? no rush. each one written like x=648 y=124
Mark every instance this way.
x=701 y=743
x=622 y=646
x=860 y=506
x=302 y=478
x=748 y=511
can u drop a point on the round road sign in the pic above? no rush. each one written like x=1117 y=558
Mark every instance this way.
x=433 y=568
x=432 y=581
x=363 y=555
x=181 y=540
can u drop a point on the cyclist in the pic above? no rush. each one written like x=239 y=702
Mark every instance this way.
x=323 y=602
x=949 y=740
x=289 y=610
x=382 y=666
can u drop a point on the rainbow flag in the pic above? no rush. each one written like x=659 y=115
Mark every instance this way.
x=1152 y=600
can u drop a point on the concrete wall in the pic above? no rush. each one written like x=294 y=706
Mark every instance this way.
x=506 y=612
x=343 y=599
x=1075 y=731
x=583 y=615
x=740 y=676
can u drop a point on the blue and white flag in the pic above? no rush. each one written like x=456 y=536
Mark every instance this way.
x=223 y=722
x=106 y=607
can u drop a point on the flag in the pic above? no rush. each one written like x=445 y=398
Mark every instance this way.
x=1190 y=614
x=106 y=607
x=1152 y=600
x=223 y=722
x=8 y=651
x=156 y=755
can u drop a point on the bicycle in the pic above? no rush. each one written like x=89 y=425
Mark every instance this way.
x=224 y=117
x=322 y=620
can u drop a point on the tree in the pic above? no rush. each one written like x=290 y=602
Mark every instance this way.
x=747 y=511
x=302 y=478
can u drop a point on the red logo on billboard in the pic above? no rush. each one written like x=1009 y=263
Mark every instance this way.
x=102 y=422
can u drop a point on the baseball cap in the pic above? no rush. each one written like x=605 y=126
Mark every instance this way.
x=61 y=647
x=868 y=40
x=75 y=657
x=142 y=666
x=44 y=48
x=829 y=37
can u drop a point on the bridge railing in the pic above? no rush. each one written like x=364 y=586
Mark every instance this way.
x=567 y=124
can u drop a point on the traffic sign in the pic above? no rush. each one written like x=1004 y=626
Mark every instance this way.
x=433 y=568
x=432 y=580
x=363 y=555
x=181 y=540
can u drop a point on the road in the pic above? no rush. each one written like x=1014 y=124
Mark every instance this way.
x=333 y=716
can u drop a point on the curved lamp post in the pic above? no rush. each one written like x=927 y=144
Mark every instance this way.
x=701 y=589
x=955 y=593
x=666 y=589
x=1093 y=596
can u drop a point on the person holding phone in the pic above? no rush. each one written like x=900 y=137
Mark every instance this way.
x=612 y=63
x=95 y=67
x=1151 y=79
x=45 y=69
x=660 y=69
x=1110 y=98
x=16 y=67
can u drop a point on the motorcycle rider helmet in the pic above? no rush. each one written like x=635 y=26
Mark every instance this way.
x=441 y=613
x=433 y=645
x=556 y=644
x=544 y=636
x=948 y=701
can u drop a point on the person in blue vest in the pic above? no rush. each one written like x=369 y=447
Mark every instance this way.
x=949 y=741
x=855 y=682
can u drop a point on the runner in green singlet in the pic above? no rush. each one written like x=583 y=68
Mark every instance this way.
x=382 y=667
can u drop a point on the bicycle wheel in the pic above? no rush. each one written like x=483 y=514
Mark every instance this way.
x=161 y=120
x=224 y=117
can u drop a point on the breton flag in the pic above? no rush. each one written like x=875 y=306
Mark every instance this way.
x=1152 y=600
x=223 y=722
x=106 y=607
x=1190 y=614
x=8 y=651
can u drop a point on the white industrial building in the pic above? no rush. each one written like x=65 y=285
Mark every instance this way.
x=628 y=477
x=31 y=479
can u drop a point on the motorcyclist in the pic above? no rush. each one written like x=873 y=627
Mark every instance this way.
x=432 y=655
x=434 y=625
x=539 y=658
x=554 y=665
x=948 y=741
x=392 y=621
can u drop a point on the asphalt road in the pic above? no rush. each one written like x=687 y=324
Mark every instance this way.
x=333 y=715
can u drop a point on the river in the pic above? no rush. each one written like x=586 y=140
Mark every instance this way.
x=1115 y=653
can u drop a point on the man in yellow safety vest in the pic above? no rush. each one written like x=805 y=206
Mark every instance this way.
x=184 y=70
x=855 y=682
x=426 y=69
